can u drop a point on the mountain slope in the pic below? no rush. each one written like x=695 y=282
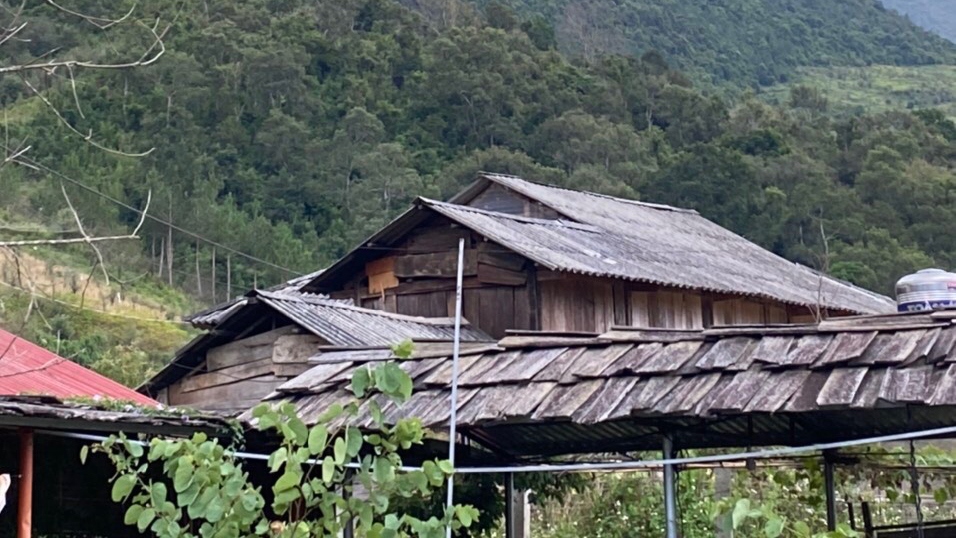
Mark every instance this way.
x=743 y=41
x=292 y=130
x=935 y=15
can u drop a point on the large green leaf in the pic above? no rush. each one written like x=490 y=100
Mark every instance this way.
x=122 y=487
x=288 y=480
x=741 y=511
x=318 y=439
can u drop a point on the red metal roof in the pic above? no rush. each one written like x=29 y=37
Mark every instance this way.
x=26 y=368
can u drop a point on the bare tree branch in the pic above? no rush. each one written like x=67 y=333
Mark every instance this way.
x=9 y=34
x=76 y=98
x=88 y=137
x=86 y=237
x=17 y=154
x=142 y=218
x=48 y=63
x=149 y=57
x=70 y=241
x=100 y=22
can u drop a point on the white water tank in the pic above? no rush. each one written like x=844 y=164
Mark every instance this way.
x=929 y=289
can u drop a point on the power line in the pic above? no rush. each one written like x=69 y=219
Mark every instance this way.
x=158 y=220
x=86 y=308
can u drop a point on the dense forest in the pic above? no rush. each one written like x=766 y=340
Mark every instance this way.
x=290 y=130
x=743 y=42
x=936 y=15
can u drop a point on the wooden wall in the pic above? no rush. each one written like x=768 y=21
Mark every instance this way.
x=418 y=278
x=576 y=304
x=499 y=199
x=588 y=304
x=237 y=375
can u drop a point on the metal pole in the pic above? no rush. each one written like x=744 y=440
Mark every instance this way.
x=830 y=490
x=453 y=415
x=630 y=465
x=25 y=491
x=670 y=489
x=510 y=523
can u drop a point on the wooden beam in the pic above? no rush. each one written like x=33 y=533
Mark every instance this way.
x=437 y=265
x=490 y=274
x=25 y=491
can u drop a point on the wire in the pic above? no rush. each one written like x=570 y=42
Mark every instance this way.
x=10 y=345
x=86 y=308
x=51 y=364
x=158 y=220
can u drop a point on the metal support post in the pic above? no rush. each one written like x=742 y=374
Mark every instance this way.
x=830 y=486
x=670 y=489
x=25 y=491
x=510 y=519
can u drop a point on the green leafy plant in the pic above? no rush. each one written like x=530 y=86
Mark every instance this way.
x=198 y=487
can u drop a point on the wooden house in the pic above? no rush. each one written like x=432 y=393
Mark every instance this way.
x=545 y=258
x=537 y=258
x=268 y=337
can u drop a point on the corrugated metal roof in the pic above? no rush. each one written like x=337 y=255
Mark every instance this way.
x=26 y=368
x=617 y=238
x=611 y=237
x=849 y=377
x=336 y=322
x=344 y=325
x=210 y=317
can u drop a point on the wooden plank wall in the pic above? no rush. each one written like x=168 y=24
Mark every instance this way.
x=667 y=309
x=499 y=199
x=576 y=303
x=239 y=374
x=418 y=277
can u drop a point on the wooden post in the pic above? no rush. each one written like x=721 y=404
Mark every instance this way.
x=25 y=491
x=830 y=487
x=212 y=277
x=198 y=274
x=867 y=519
x=169 y=243
x=510 y=506
x=229 y=277
x=162 y=256
x=349 y=530
x=851 y=515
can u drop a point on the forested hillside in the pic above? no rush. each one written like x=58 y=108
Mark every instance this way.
x=936 y=15
x=290 y=130
x=742 y=42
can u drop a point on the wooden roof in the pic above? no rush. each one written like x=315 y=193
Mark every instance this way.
x=611 y=237
x=545 y=394
x=338 y=323
x=341 y=324
x=52 y=413
x=210 y=317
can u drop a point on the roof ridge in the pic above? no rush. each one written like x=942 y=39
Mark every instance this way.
x=651 y=205
x=561 y=223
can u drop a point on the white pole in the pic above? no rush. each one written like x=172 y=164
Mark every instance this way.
x=453 y=415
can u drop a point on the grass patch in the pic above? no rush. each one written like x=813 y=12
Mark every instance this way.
x=878 y=88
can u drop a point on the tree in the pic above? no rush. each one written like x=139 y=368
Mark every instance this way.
x=39 y=63
x=199 y=487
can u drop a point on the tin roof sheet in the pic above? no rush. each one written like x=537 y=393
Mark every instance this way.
x=26 y=368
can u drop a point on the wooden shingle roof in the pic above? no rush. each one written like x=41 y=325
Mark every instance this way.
x=540 y=394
